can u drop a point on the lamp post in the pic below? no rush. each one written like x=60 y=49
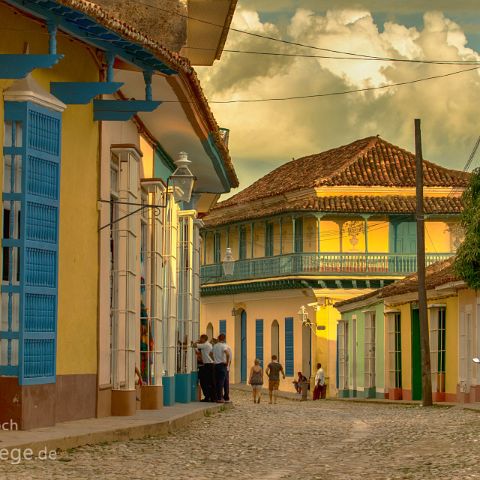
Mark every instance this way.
x=182 y=179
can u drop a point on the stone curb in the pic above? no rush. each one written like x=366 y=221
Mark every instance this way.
x=161 y=428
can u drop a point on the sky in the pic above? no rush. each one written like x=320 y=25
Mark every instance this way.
x=265 y=135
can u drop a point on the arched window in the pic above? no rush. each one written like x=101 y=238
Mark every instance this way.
x=210 y=331
x=275 y=336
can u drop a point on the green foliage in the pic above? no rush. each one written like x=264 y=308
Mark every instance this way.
x=467 y=263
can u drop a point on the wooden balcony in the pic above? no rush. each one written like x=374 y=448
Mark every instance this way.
x=321 y=265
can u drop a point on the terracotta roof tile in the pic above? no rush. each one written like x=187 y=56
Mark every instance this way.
x=171 y=59
x=370 y=161
x=436 y=274
x=338 y=204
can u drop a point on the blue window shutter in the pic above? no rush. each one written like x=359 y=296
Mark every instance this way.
x=242 y=245
x=268 y=239
x=259 y=340
x=222 y=326
x=289 y=347
x=39 y=227
x=217 y=253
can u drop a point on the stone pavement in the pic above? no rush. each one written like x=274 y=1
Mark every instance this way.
x=290 y=440
x=73 y=434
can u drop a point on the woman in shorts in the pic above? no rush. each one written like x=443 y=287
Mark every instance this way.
x=256 y=380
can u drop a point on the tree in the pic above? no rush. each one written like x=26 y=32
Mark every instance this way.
x=467 y=263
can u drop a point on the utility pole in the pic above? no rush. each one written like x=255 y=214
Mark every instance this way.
x=422 y=293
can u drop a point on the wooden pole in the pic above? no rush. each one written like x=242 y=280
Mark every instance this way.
x=422 y=293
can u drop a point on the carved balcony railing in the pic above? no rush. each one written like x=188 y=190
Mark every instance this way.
x=319 y=264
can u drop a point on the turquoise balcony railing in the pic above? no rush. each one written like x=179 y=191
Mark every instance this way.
x=320 y=264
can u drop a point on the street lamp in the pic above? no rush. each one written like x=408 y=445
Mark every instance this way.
x=304 y=318
x=182 y=179
x=476 y=360
x=228 y=263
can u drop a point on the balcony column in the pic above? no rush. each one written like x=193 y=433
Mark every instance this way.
x=319 y=219
x=205 y=235
x=252 y=248
x=293 y=234
x=281 y=235
x=228 y=236
x=365 y=218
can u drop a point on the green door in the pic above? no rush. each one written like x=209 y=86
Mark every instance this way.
x=406 y=237
x=416 y=357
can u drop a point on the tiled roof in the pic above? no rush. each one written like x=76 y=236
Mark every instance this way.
x=171 y=59
x=436 y=274
x=370 y=161
x=338 y=204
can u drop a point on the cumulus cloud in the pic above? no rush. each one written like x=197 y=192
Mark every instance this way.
x=265 y=135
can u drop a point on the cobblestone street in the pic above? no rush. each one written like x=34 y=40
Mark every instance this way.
x=309 y=440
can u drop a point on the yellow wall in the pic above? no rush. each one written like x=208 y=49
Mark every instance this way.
x=268 y=306
x=378 y=235
x=78 y=257
x=329 y=236
x=437 y=237
x=147 y=159
x=259 y=240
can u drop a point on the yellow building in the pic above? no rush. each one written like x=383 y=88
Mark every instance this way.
x=100 y=240
x=315 y=231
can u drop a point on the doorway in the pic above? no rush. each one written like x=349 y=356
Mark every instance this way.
x=354 y=356
x=370 y=380
x=243 y=346
x=307 y=351
x=416 y=357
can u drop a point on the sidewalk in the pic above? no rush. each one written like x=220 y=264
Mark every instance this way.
x=109 y=429
x=379 y=401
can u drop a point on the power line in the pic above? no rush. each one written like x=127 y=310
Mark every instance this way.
x=343 y=92
x=329 y=57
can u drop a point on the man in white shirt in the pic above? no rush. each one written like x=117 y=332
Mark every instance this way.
x=320 y=387
x=226 y=385
x=221 y=357
x=206 y=368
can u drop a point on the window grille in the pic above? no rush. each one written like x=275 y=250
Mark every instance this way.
x=342 y=356
x=217 y=247
x=242 y=245
x=437 y=347
x=197 y=224
x=289 y=347
x=124 y=274
x=185 y=291
x=465 y=351
x=369 y=350
x=394 y=350
x=31 y=193
x=268 y=239
x=170 y=282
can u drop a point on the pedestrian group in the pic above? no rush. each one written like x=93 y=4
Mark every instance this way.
x=214 y=360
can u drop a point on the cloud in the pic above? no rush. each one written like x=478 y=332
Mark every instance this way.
x=265 y=135
x=383 y=6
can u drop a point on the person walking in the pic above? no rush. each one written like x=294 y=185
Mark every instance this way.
x=255 y=379
x=320 y=387
x=206 y=370
x=226 y=386
x=274 y=368
x=221 y=357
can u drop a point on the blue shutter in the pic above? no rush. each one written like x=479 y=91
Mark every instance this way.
x=289 y=347
x=259 y=340
x=242 y=246
x=268 y=239
x=222 y=326
x=39 y=199
x=217 y=253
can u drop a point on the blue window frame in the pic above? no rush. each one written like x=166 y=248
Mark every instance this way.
x=217 y=252
x=259 y=340
x=242 y=243
x=269 y=239
x=289 y=354
x=222 y=326
x=31 y=194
